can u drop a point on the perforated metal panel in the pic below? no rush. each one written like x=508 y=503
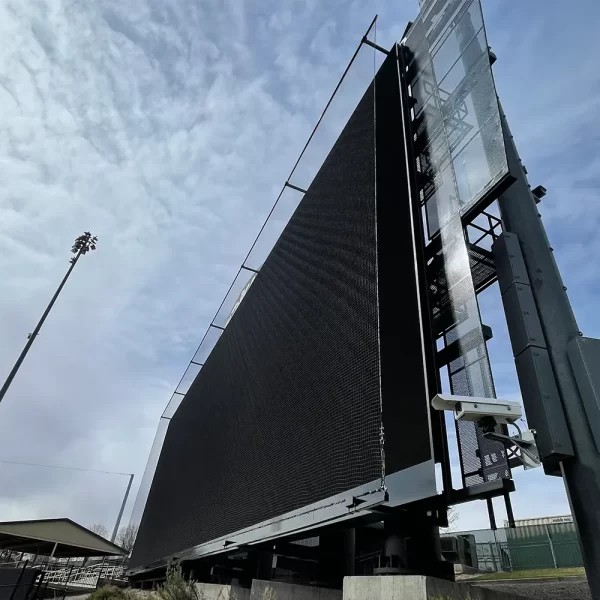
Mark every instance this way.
x=483 y=268
x=461 y=162
x=459 y=146
x=288 y=408
x=470 y=374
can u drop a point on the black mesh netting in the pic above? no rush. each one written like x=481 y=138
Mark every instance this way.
x=286 y=411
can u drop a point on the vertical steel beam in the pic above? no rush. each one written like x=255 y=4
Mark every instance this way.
x=551 y=544
x=581 y=474
x=118 y=521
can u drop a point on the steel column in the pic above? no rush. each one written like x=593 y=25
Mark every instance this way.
x=581 y=473
x=118 y=522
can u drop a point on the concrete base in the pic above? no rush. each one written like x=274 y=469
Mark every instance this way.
x=213 y=591
x=274 y=590
x=416 y=587
x=467 y=570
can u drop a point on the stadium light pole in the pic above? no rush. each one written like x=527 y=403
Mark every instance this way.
x=120 y=516
x=82 y=245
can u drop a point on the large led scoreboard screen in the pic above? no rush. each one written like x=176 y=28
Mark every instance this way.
x=318 y=388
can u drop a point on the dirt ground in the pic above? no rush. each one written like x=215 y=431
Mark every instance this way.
x=568 y=589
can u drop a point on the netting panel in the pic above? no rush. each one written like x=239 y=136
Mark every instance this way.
x=286 y=410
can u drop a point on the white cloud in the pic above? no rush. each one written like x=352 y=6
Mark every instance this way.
x=128 y=122
x=164 y=128
x=167 y=129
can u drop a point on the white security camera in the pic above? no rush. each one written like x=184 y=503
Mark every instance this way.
x=489 y=412
x=468 y=408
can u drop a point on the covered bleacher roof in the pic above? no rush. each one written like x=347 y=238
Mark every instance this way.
x=61 y=538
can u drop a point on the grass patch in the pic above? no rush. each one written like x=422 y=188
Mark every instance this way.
x=111 y=592
x=531 y=573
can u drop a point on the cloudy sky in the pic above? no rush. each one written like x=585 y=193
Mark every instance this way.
x=166 y=127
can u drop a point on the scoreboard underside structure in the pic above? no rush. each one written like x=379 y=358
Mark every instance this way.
x=306 y=447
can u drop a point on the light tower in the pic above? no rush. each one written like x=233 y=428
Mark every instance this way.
x=82 y=245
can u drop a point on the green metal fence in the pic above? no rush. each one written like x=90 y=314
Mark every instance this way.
x=544 y=546
x=529 y=547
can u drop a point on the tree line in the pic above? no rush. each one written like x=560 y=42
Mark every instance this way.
x=125 y=536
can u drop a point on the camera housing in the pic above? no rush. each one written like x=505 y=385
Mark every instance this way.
x=468 y=408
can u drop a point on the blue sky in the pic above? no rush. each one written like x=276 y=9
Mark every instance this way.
x=167 y=127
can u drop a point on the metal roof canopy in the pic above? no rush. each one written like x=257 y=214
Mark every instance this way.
x=60 y=538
